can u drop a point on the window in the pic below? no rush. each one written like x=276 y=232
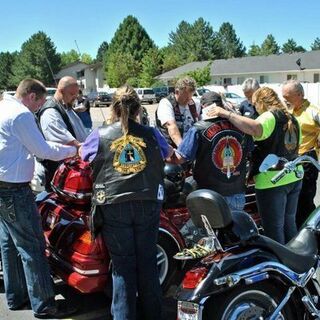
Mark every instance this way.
x=240 y=80
x=227 y=81
x=264 y=79
x=80 y=74
x=292 y=77
x=316 y=77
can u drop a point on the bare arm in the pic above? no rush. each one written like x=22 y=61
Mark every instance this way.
x=247 y=125
x=174 y=132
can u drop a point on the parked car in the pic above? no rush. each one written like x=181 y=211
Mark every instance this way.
x=199 y=92
x=162 y=92
x=234 y=99
x=50 y=92
x=12 y=93
x=146 y=95
x=100 y=99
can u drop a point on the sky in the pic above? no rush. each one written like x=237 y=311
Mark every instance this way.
x=86 y=24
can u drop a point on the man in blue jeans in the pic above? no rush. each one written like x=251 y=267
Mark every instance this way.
x=25 y=268
x=219 y=151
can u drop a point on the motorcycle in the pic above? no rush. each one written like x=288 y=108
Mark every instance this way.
x=247 y=275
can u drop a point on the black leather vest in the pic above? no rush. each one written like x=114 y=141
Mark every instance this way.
x=179 y=118
x=112 y=186
x=281 y=142
x=221 y=157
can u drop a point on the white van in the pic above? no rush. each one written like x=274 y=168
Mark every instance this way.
x=146 y=95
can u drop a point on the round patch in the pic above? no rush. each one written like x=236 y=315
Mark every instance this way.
x=227 y=155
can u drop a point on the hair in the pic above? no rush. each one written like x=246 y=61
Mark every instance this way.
x=269 y=100
x=125 y=106
x=250 y=84
x=28 y=86
x=295 y=85
x=186 y=82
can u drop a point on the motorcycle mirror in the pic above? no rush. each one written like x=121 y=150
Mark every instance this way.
x=271 y=160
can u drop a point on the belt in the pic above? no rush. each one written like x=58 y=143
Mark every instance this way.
x=13 y=185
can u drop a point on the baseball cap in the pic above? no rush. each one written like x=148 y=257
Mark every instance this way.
x=210 y=98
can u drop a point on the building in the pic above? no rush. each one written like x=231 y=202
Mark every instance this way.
x=89 y=76
x=303 y=66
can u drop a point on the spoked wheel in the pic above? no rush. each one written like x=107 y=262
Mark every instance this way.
x=167 y=266
x=255 y=302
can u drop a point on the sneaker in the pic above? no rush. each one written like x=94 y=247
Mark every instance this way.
x=24 y=306
x=61 y=311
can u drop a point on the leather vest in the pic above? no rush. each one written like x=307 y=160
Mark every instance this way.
x=281 y=142
x=113 y=182
x=221 y=157
x=179 y=118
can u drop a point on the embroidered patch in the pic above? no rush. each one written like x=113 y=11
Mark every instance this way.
x=290 y=138
x=129 y=156
x=227 y=155
x=100 y=196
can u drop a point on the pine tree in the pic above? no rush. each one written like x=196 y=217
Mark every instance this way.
x=316 y=44
x=102 y=51
x=231 y=46
x=269 y=46
x=69 y=57
x=291 y=46
x=37 y=59
x=6 y=62
x=151 y=67
x=254 y=50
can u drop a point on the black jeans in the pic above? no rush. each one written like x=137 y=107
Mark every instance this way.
x=308 y=191
x=277 y=208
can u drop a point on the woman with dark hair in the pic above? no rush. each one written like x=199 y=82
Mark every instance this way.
x=274 y=131
x=127 y=163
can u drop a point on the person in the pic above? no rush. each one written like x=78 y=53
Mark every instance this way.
x=177 y=112
x=247 y=109
x=128 y=172
x=82 y=108
x=25 y=268
x=219 y=150
x=275 y=131
x=60 y=123
x=308 y=116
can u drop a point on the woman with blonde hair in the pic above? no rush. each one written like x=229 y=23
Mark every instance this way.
x=274 y=131
x=127 y=163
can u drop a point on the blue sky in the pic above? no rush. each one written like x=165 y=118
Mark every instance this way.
x=93 y=21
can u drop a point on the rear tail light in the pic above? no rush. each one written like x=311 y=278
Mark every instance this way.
x=193 y=277
x=85 y=244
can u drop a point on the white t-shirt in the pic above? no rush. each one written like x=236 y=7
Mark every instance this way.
x=165 y=113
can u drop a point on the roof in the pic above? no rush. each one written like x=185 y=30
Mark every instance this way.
x=255 y=64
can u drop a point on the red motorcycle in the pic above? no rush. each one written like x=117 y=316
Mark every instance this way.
x=83 y=262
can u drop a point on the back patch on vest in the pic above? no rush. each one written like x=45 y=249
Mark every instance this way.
x=129 y=156
x=290 y=137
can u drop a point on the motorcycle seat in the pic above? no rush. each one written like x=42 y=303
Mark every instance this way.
x=300 y=254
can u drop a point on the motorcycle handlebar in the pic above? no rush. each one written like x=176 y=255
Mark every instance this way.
x=290 y=166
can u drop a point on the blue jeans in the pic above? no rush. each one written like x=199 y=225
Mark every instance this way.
x=236 y=201
x=25 y=267
x=277 y=208
x=130 y=231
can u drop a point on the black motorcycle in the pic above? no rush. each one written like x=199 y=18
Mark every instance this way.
x=247 y=275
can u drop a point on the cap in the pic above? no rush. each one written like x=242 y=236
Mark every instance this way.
x=210 y=98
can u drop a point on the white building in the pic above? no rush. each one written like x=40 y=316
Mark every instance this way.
x=89 y=76
x=303 y=66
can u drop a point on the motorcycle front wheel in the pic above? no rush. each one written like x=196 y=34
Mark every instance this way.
x=249 y=303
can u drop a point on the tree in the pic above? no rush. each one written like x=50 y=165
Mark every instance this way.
x=170 y=59
x=202 y=76
x=316 y=44
x=86 y=58
x=254 y=50
x=269 y=46
x=37 y=59
x=231 y=46
x=102 y=51
x=151 y=67
x=6 y=62
x=121 y=66
x=133 y=42
x=291 y=46
x=195 y=42
x=69 y=57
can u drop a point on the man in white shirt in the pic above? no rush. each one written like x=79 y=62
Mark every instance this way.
x=25 y=268
x=60 y=123
x=177 y=113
